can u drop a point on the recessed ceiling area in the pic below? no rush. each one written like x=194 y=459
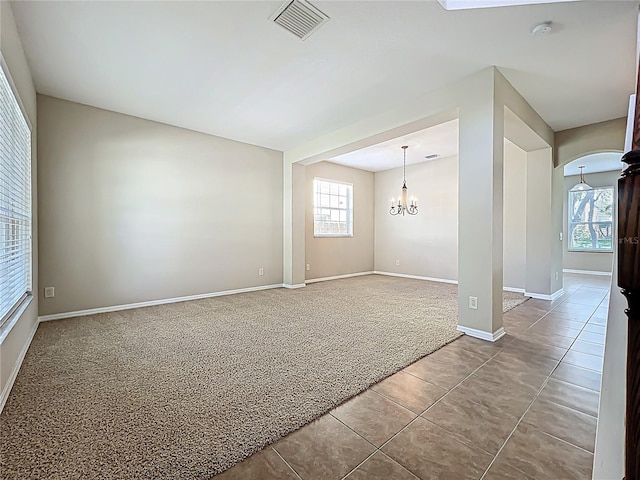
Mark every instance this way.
x=594 y=163
x=225 y=69
x=440 y=139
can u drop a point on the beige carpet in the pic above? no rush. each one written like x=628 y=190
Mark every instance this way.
x=184 y=391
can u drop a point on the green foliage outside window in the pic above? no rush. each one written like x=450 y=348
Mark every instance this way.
x=591 y=220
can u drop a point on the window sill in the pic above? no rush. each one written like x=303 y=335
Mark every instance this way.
x=333 y=236
x=589 y=251
x=13 y=319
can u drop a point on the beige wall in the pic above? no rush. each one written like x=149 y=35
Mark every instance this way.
x=294 y=211
x=591 y=261
x=133 y=210
x=515 y=216
x=606 y=136
x=425 y=245
x=328 y=257
x=426 y=251
x=15 y=341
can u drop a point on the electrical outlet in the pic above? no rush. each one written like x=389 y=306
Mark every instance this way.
x=261 y=271
x=49 y=292
x=473 y=303
x=556 y=275
x=560 y=236
x=308 y=267
x=397 y=262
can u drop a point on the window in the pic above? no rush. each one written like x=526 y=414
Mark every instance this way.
x=591 y=220
x=332 y=209
x=15 y=202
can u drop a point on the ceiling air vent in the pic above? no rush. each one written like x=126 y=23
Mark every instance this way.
x=431 y=156
x=299 y=17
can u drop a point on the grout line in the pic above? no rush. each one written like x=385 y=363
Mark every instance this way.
x=544 y=384
x=361 y=463
x=564 y=441
x=286 y=463
x=437 y=401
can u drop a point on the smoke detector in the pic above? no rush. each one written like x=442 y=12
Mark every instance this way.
x=541 y=29
x=299 y=17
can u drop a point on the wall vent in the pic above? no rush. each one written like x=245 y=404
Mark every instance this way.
x=299 y=17
x=431 y=156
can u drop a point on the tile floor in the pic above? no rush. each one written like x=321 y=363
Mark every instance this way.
x=524 y=407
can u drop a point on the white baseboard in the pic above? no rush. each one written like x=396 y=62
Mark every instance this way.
x=542 y=296
x=513 y=289
x=416 y=277
x=16 y=368
x=337 y=277
x=441 y=280
x=481 y=334
x=586 y=272
x=115 y=308
x=294 y=286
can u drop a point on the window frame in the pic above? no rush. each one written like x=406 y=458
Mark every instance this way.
x=349 y=210
x=13 y=313
x=571 y=225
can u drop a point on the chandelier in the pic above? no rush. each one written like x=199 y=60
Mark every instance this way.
x=581 y=186
x=401 y=207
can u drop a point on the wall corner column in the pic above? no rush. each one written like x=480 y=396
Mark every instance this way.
x=294 y=202
x=480 y=213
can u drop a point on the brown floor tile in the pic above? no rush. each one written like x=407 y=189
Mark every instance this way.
x=548 y=339
x=508 y=398
x=430 y=452
x=409 y=391
x=457 y=353
x=539 y=455
x=594 y=328
x=527 y=347
x=498 y=375
x=500 y=470
x=597 y=320
x=443 y=373
x=515 y=328
x=584 y=360
x=513 y=361
x=551 y=321
x=554 y=330
x=584 y=299
x=588 y=347
x=570 y=395
x=381 y=467
x=542 y=304
x=574 y=309
x=562 y=422
x=484 y=426
x=602 y=311
x=569 y=314
x=518 y=316
x=578 y=376
x=480 y=346
x=324 y=450
x=264 y=465
x=592 y=337
x=373 y=416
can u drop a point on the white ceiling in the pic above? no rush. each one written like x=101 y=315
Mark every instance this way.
x=597 y=162
x=441 y=139
x=223 y=68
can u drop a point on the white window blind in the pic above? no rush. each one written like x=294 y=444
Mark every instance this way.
x=15 y=202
